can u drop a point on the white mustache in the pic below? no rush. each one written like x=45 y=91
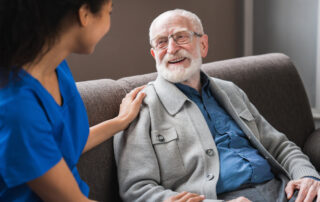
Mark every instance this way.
x=181 y=53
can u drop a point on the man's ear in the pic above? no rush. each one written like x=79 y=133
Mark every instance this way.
x=152 y=53
x=204 y=45
x=83 y=15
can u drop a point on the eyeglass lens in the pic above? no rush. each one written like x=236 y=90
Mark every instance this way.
x=180 y=38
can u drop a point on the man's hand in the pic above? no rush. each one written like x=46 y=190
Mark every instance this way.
x=308 y=188
x=185 y=197
x=240 y=199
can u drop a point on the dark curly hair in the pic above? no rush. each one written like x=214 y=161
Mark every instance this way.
x=27 y=25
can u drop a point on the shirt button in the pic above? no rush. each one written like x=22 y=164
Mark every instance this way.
x=210 y=152
x=160 y=138
x=210 y=177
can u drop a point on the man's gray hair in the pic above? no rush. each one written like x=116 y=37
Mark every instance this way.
x=194 y=19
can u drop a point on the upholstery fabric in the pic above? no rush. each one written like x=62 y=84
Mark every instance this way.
x=97 y=168
x=312 y=148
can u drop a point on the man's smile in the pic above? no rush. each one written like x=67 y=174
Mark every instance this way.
x=177 y=60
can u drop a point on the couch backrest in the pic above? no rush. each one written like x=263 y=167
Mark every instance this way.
x=270 y=81
x=273 y=85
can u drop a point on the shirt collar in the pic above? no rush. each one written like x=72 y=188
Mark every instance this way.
x=173 y=97
x=189 y=91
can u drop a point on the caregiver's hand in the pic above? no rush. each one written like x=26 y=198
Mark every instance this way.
x=130 y=105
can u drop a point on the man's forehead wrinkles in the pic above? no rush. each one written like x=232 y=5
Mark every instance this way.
x=169 y=22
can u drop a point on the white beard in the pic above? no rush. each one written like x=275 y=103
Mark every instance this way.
x=179 y=73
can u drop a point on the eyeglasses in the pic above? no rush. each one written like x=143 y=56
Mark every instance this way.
x=180 y=38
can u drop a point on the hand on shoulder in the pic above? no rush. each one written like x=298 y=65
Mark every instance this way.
x=130 y=106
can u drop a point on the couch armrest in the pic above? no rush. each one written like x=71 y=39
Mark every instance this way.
x=312 y=148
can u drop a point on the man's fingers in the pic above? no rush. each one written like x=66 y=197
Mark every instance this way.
x=188 y=196
x=196 y=199
x=312 y=193
x=303 y=191
x=185 y=197
x=240 y=199
x=243 y=199
x=179 y=196
x=290 y=188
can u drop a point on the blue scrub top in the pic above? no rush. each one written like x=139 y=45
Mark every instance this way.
x=36 y=132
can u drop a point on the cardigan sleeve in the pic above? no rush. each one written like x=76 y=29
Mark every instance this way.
x=287 y=153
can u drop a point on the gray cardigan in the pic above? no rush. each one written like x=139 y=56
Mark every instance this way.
x=169 y=147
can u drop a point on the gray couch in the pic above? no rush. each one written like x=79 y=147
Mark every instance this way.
x=271 y=82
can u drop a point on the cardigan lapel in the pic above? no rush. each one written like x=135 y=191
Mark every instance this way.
x=173 y=100
x=232 y=110
x=171 y=97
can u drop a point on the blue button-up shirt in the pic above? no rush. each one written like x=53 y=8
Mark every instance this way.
x=240 y=163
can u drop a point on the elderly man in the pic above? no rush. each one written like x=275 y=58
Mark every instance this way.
x=202 y=135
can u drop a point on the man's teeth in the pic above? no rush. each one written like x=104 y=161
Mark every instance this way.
x=176 y=60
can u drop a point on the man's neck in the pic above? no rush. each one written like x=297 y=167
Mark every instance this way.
x=194 y=82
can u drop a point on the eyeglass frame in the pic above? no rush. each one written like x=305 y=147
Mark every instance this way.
x=171 y=36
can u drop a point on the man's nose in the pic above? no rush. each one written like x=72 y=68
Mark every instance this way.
x=173 y=47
